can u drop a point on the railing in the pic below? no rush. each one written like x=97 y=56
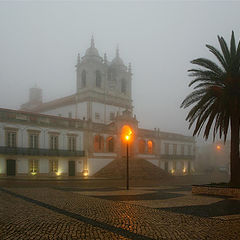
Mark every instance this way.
x=174 y=156
x=40 y=152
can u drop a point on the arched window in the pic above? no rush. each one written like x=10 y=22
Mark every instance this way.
x=98 y=79
x=150 y=146
x=110 y=144
x=84 y=77
x=123 y=86
x=98 y=143
x=141 y=146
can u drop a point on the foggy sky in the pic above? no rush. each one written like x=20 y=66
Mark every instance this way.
x=40 y=40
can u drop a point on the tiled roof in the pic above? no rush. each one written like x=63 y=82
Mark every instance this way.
x=55 y=103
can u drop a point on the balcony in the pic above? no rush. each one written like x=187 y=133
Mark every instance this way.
x=40 y=152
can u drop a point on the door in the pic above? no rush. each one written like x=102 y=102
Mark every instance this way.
x=11 y=167
x=71 y=168
x=166 y=166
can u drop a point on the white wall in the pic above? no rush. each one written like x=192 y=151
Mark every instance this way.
x=100 y=108
x=63 y=111
x=95 y=164
x=155 y=162
x=22 y=165
x=43 y=165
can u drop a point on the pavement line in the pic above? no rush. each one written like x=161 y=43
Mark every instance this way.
x=95 y=223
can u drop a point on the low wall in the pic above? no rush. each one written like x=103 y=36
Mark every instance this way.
x=218 y=191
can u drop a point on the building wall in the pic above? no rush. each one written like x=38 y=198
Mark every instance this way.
x=179 y=144
x=22 y=137
x=104 y=110
x=64 y=111
x=44 y=136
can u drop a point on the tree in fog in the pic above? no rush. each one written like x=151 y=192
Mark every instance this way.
x=216 y=98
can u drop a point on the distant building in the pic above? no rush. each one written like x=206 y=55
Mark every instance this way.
x=213 y=157
x=81 y=133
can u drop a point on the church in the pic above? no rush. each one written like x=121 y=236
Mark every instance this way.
x=80 y=134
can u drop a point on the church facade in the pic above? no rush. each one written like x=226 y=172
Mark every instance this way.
x=80 y=134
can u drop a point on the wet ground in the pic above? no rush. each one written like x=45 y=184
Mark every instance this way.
x=103 y=209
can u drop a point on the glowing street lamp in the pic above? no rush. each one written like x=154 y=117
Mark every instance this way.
x=218 y=147
x=127 y=132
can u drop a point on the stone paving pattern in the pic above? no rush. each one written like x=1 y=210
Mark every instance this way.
x=22 y=219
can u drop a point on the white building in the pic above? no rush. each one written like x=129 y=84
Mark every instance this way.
x=80 y=134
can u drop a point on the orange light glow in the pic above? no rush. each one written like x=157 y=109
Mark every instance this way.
x=150 y=146
x=126 y=133
x=218 y=147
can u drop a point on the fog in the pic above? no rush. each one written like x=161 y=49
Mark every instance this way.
x=40 y=41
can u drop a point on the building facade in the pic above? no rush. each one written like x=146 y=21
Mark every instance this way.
x=80 y=134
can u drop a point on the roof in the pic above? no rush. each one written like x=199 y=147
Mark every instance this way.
x=55 y=103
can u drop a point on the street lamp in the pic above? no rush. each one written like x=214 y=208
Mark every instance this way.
x=218 y=147
x=127 y=132
x=127 y=137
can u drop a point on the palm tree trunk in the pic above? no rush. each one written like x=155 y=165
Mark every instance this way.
x=234 y=154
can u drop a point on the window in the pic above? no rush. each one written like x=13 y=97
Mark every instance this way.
x=98 y=143
x=110 y=144
x=97 y=116
x=123 y=86
x=150 y=146
x=53 y=165
x=112 y=116
x=84 y=77
x=53 y=142
x=166 y=148
x=98 y=79
x=72 y=143
x=33 y=140
x=174 y=149
x=141 y=146
x=11 y=139
x=70 y=114
x=33 y=166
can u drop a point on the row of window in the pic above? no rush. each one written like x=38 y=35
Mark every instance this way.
x=174 y=149
x=98 y=81
x=145 y=148
x=11 y=141
x=34 y=166
x=99 y=144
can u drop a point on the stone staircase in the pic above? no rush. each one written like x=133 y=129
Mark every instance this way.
x=138 y=169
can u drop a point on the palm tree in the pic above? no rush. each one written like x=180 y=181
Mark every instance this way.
x=216 y=98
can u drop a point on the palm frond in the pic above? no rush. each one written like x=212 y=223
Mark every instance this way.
x=225 y=51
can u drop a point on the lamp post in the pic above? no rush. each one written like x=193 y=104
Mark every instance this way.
x=127 y=137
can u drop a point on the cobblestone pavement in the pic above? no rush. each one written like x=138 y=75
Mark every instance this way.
x=47 y=213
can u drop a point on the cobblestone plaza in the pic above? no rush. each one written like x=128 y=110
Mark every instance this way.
x=75 y=210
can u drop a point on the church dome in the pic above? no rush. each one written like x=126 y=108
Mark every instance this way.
x=92 y=52
x=117 y=60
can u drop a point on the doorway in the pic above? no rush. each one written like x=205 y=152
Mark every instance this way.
x=71 y=168
x=166 y=166
x=11 y=167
